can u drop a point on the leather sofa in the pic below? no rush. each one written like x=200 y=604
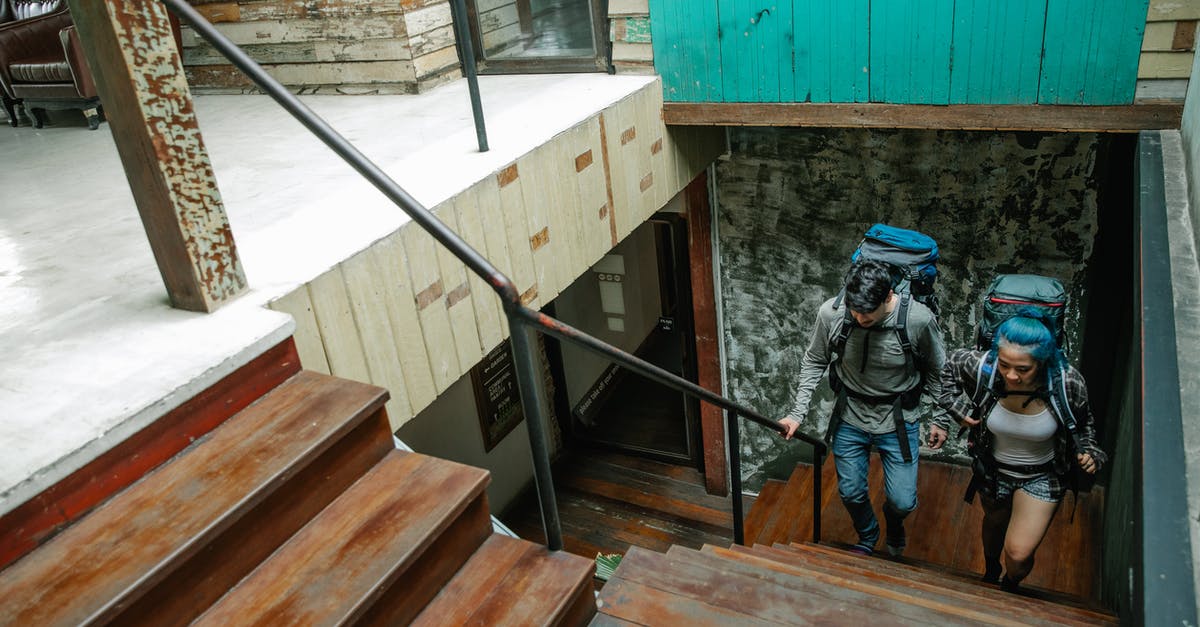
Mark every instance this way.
x=42 y=66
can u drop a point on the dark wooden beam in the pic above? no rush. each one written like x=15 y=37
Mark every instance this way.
x=1104 y=119
x=139 y=74
x=704 y=316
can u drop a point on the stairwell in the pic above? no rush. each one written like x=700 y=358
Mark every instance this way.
x=297 y=510
x=780 y=577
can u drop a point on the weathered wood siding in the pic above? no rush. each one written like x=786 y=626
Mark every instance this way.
x=794 y=203
x=899 y=51
x=346 y=46
x=406 y=315
x=629 y=32
x=1168 y=49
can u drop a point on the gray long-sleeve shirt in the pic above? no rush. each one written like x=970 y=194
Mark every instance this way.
x=887 y=371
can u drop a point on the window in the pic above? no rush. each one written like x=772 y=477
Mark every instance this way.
x=529 y=36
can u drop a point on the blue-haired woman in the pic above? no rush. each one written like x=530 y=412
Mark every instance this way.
x=1023 y=440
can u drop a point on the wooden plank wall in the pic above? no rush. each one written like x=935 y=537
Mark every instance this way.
x=347 y=46
x=629 y=31
x=406 y=315
x=1168 y=49
x=909 y=51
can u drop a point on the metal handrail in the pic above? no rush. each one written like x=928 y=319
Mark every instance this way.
x=522 y=320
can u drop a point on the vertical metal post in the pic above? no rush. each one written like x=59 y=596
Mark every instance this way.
x=533 y=395
x=462 y=30
x=818 y=462
x=735 y=477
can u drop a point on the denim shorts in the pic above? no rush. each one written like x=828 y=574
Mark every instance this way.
x=1044 y=487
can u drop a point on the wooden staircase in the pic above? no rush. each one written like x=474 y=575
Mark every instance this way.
x=809 y=584
x=780 y=578
x=297 y=510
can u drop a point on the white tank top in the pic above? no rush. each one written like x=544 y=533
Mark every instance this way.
x=1022 y=439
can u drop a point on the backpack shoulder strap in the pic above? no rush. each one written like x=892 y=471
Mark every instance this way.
x=910 y=354
x=838 y=346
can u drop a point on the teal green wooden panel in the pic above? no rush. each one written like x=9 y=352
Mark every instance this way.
x=1091 y=51
x=910 y=51
x=756 y=50
x=687 y=51
x=997 y=51
x=832 y=50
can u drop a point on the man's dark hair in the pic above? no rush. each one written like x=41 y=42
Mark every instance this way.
x=868 y=286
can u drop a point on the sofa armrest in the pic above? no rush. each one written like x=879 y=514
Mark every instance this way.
x=80 y=71
x=31 y=38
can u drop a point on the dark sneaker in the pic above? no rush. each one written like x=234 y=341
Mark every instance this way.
x=896 y=539
x=862 y=549
x=991 y=572
x=1010 y=585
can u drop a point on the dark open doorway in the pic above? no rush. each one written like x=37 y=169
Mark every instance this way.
x=638 y=298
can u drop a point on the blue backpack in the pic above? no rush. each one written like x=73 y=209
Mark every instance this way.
x=913 y=255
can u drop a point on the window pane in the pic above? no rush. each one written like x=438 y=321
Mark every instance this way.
x=521 y=29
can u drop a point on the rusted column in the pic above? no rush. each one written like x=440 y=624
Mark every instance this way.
x=145 y=95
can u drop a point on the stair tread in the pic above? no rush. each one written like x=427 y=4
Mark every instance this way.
x=140 y=535
x=819 y=588
x=753 y=595
x=1062 y=604
x=334 y=567
x=513 y=582
x=924 y=585
x=795 y=500
x=760 y=512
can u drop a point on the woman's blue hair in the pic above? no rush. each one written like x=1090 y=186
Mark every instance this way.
x=1030 y=332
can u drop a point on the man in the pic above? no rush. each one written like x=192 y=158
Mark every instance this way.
x=878 y=385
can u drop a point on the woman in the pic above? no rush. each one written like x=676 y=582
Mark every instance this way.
x=1020 y=439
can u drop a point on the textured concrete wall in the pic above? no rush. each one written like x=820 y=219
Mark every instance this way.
x=793 y=204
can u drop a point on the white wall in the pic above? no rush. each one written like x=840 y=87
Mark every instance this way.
x=1190 y=130
x=449 y=429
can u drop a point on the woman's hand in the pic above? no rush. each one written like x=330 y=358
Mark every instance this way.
x=1086 y=463
x=791 y=425
x=969 y=421
x=937 y=437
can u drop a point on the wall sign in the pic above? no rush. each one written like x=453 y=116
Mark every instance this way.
x=497 y=397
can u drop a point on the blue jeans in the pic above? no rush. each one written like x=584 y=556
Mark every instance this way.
x=851 y=451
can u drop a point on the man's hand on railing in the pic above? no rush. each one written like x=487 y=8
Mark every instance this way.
x=791 y=425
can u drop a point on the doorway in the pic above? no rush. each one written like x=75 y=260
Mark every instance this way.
x=638 y=298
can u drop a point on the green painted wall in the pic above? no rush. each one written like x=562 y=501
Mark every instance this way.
x=898 y=51
x=793 y=204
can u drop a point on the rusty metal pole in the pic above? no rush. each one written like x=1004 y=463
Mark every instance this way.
x=139 y=75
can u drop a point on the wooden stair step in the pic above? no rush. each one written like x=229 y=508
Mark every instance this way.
x=176 y=540
x=821 y=589
x=509 y=581
x=376 y=555
x=753 y=595
x=760 y=512
x=794 y=504
x=646 y=490
x=927 y=585
x=1065 y=604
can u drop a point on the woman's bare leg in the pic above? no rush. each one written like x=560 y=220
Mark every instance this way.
x=1030 y=520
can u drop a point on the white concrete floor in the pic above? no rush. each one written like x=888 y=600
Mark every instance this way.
x=91 y=350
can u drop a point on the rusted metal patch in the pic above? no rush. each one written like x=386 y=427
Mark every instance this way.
x=629 y=135
x=656 y=147
x=529 y=295
x=507 y=175
x=647 y=181
x=428 y=295
x=457 y=294
x=539 y=239
x=583 y=161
